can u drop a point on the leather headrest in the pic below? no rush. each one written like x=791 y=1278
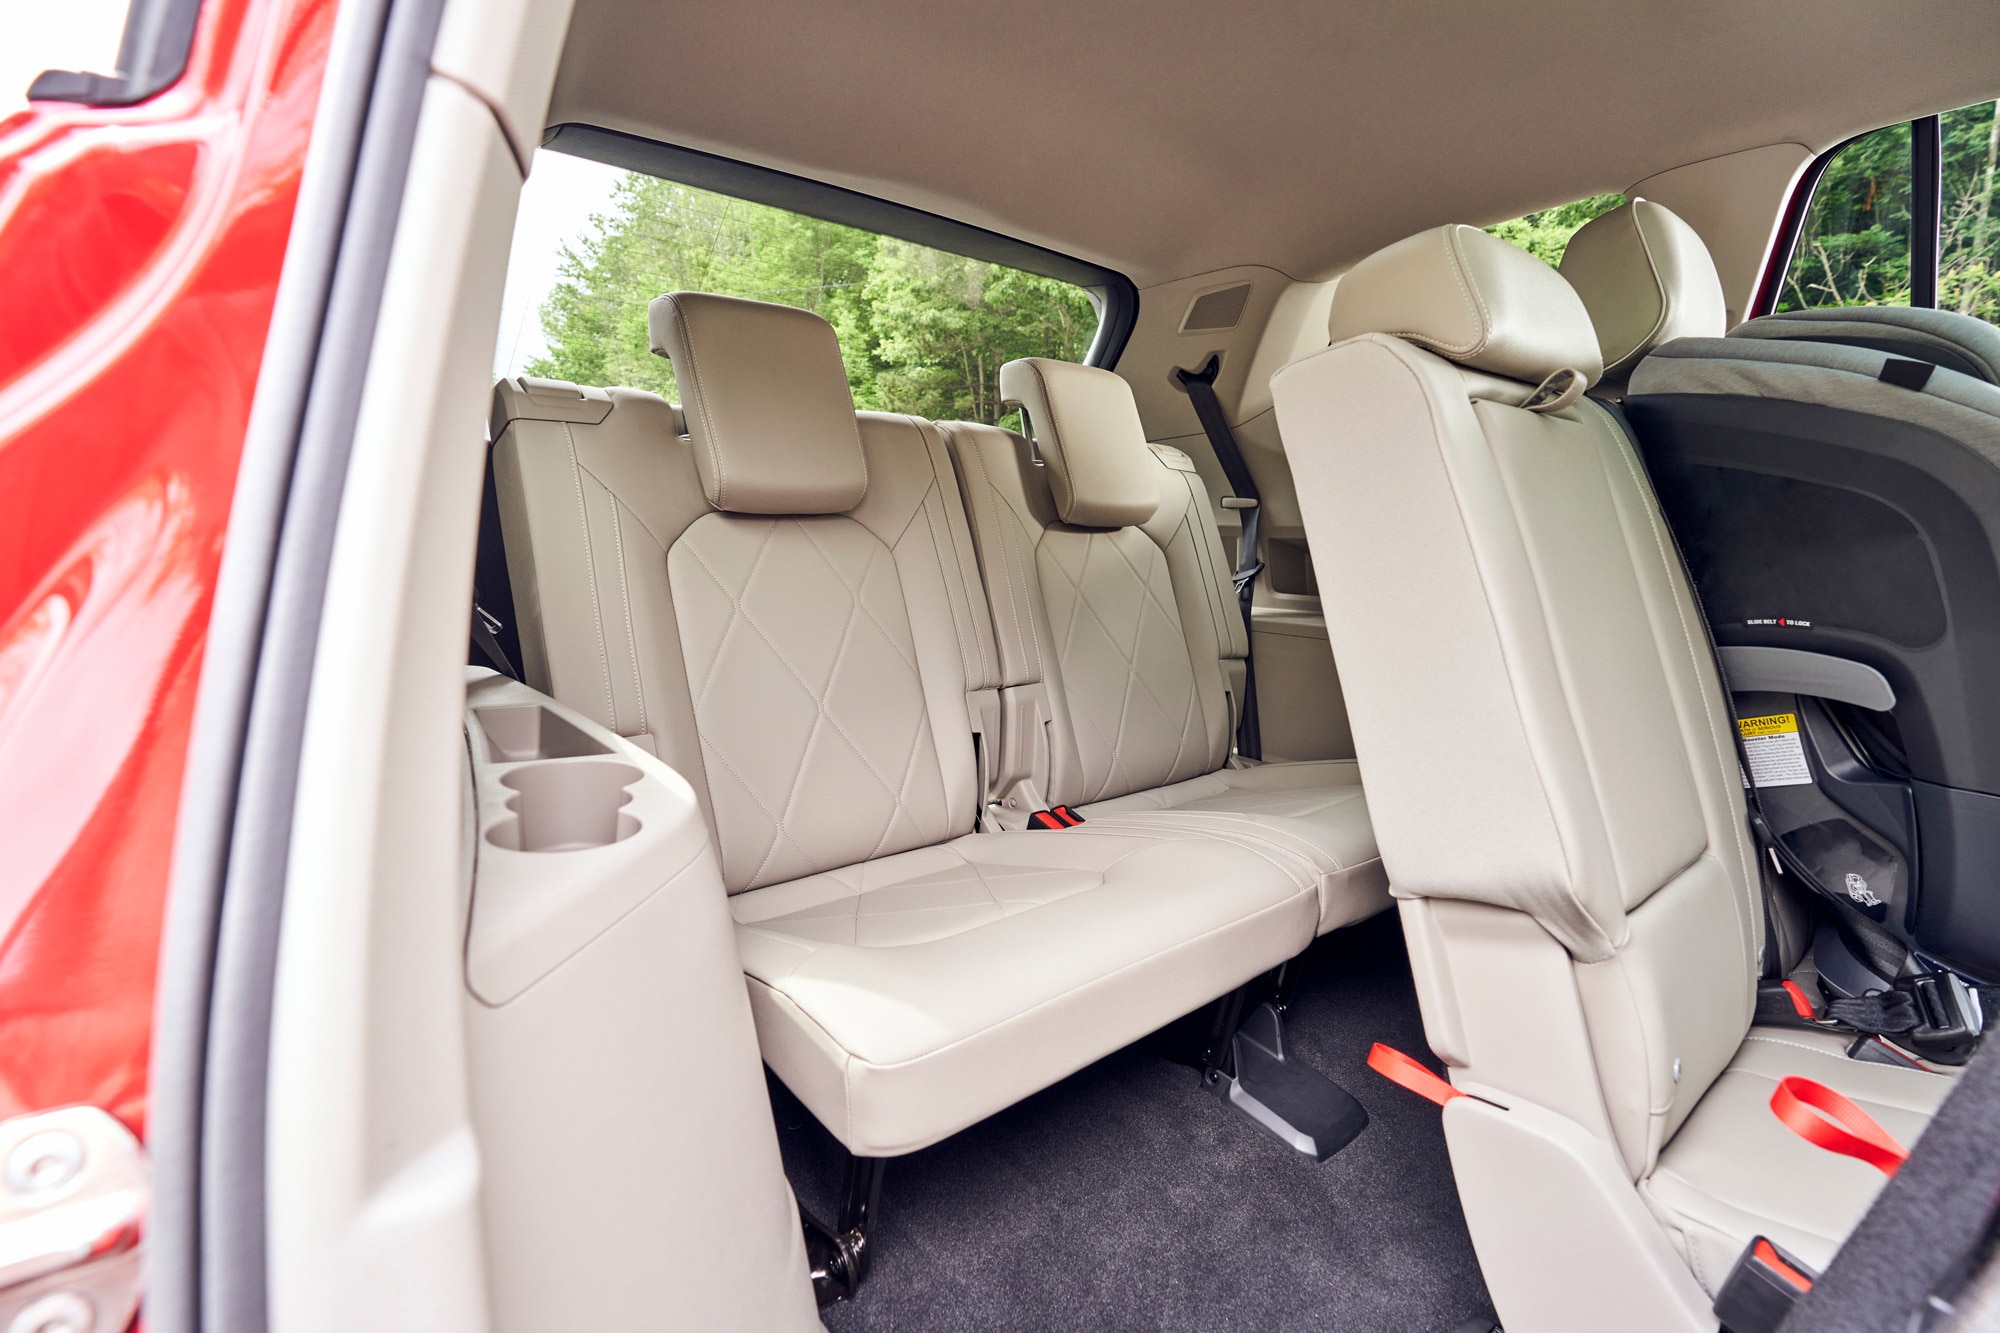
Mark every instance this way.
x=1471 y=298
x=1646 y=278
x=1101 y=474
x=768 y=408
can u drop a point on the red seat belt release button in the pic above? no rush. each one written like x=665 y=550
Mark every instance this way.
x=1825 y=1119
x=1761 y=1289
x=1401 y=1070
x=1056 y=816
x=1801 y=1001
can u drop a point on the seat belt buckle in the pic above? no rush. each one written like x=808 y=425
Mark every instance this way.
x=1761 y=1289
x=1951 y=1017
x=1056 y=816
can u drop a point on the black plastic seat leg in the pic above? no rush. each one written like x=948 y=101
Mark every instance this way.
x=1292 y=1102
x=840 y=1254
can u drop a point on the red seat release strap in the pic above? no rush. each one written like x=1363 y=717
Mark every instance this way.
x=1825 y=1119
x=1401 y=1070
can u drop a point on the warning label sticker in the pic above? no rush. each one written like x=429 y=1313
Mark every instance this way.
x=1776 y=755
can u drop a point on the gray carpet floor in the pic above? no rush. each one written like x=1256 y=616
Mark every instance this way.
x=1125 y=1197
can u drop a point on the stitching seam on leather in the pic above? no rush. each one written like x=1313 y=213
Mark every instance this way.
x=1480 y=330
x=711 y=433
x=590 y=571
x=968 y=635
x=1845 y=1062
x=1056 y=440
x=1012 y=579
x=1652 y=271
x=1482 y=317
x=625 y=604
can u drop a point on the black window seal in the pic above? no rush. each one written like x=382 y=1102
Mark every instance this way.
x=1926 y=208
x=153 y=53
x=1117 y=297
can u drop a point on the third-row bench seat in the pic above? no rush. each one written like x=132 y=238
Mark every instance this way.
x=784 y=604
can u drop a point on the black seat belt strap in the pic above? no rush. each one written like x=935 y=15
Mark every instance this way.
x=1199 y=386
x=485 y=627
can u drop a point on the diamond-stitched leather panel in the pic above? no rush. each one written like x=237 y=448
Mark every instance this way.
x=931 y=894
x=1124 y=659
x=806 y=694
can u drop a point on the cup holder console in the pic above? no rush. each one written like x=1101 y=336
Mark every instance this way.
x=564 y=807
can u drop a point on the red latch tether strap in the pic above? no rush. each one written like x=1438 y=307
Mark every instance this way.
x=1401 y=1070
x=1825 y=1119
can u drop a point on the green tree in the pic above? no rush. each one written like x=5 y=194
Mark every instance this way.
x=1854 y=245
x=1545 y=234
x=921 y=331
x=1969 y=231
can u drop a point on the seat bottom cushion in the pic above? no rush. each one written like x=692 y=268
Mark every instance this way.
x=905 y=998
x=1734 y=1172
x=1315 y=805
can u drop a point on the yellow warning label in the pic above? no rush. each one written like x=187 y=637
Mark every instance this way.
x=1775 y=724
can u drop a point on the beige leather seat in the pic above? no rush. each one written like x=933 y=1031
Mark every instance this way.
x=1121 y=645
x=785 y=604
x=1557 y=800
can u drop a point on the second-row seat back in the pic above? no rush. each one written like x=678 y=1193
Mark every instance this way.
x=1107 y=578
x=783 y=602
x=1532 y=699
x=1834 y=479
x=1549 y=764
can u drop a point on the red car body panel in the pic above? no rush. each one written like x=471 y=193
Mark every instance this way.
x=140 y=249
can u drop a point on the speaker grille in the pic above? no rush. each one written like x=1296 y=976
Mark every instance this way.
x=1213 y=311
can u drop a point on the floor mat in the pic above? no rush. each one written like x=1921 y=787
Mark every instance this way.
x=1125 y=1197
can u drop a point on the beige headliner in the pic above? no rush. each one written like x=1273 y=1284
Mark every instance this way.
x=1171 y=139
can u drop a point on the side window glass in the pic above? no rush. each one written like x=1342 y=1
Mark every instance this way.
x=1968 y=228
x=1545 y=235
x=922 y=331
x=1854 y=245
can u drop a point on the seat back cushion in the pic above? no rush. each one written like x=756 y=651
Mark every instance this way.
x=809 y=672
x=1533 y=699
x=1124 y=626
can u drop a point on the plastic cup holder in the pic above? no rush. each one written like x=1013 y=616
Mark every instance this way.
x=530 y=731
x=567 y=807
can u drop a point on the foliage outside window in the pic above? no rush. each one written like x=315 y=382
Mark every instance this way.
x=1545 y=235
x=1968 y=231
x=1854 y=245
x=921 y=331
